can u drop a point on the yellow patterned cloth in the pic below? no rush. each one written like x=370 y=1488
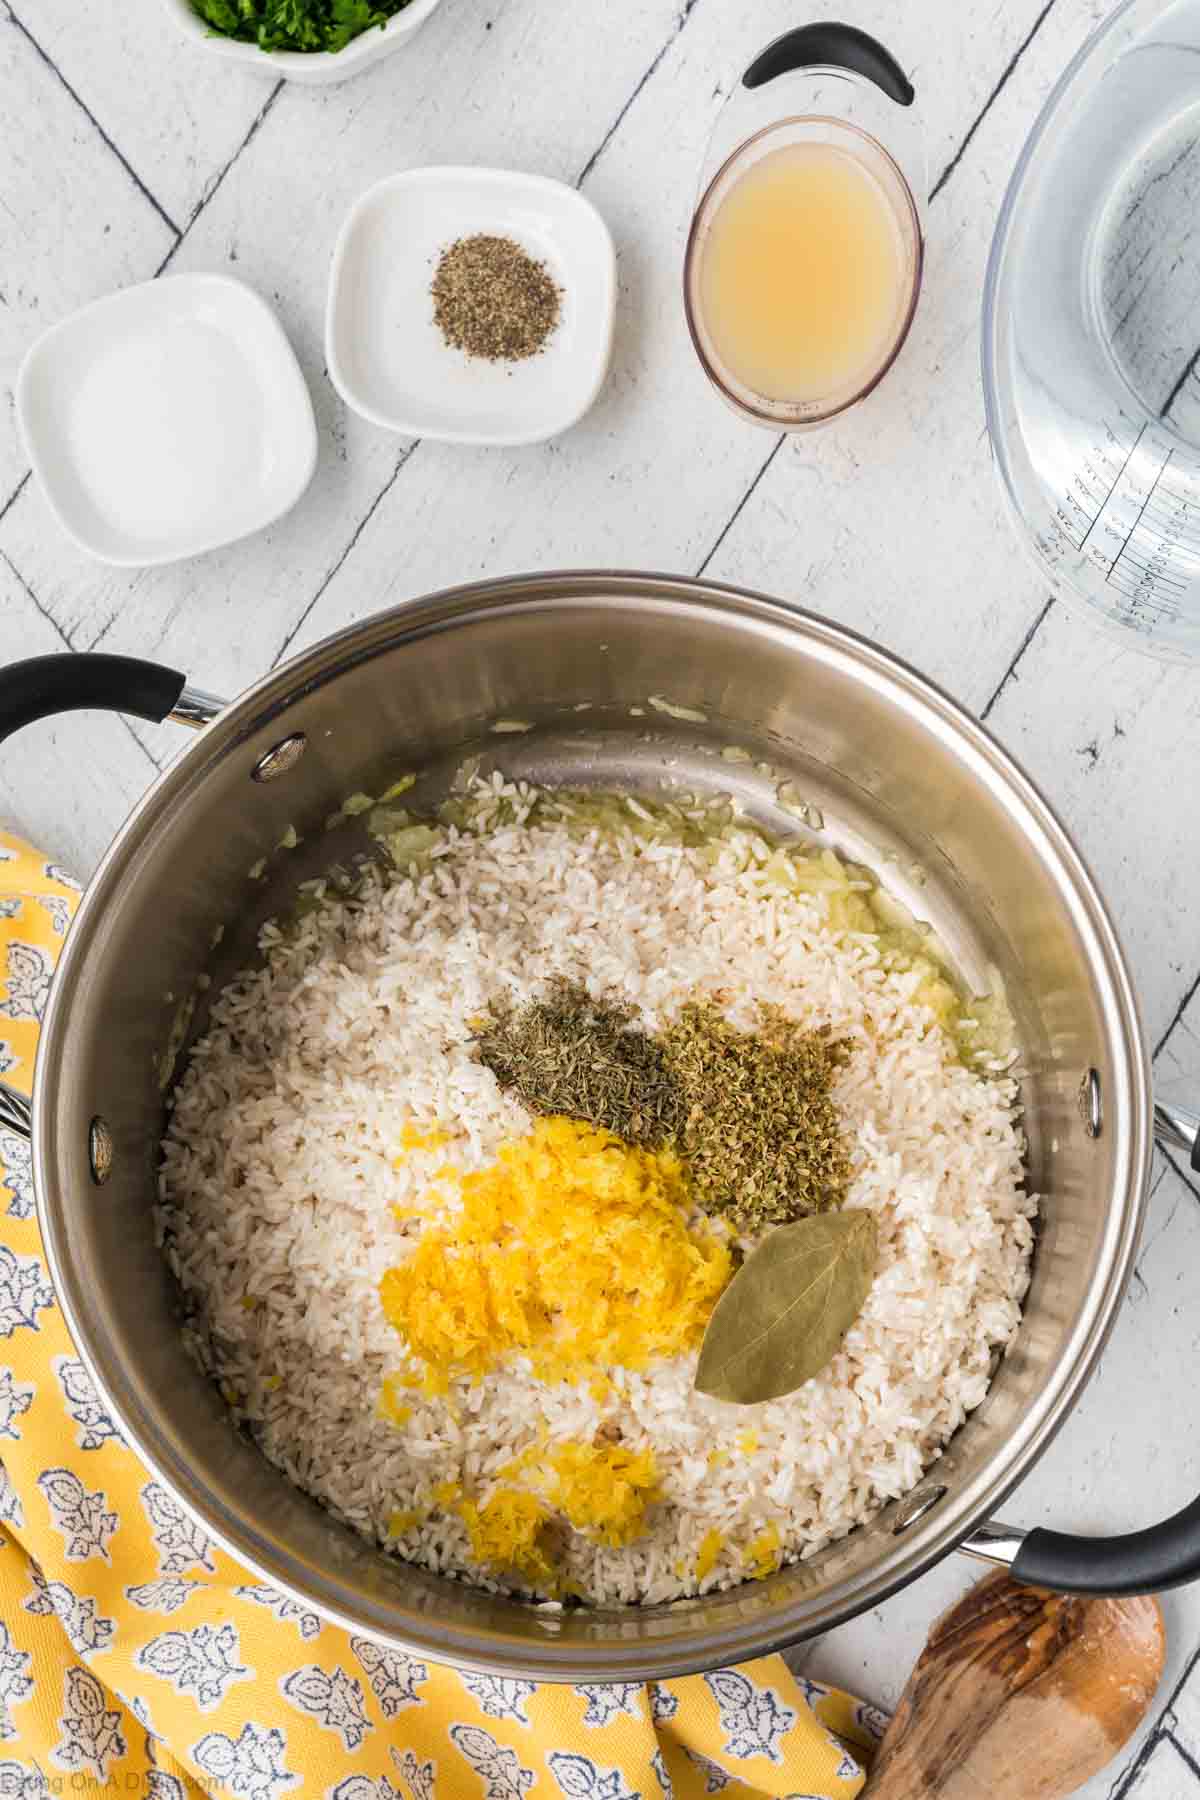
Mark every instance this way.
x=137 y=1658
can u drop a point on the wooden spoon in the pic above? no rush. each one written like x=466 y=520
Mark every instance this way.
x=1020 y=1694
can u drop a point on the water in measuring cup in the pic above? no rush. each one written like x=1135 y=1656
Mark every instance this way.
x=1134 y=498
x=1092 y=335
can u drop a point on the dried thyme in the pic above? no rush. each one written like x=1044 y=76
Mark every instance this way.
x=569 y=1054
x=752 y=1113
x=493 y=300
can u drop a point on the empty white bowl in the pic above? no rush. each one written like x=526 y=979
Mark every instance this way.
x=386 y=356
x=167 y=419
x=309 y=68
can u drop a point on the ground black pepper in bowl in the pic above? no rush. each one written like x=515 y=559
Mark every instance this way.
x=493 y=300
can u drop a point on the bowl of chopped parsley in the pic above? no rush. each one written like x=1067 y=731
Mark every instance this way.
x=303 y=40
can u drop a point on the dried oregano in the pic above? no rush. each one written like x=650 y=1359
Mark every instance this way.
x=751 y=1112
x=761 y=1133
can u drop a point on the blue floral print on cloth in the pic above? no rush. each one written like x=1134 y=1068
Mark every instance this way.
x=136 y=1658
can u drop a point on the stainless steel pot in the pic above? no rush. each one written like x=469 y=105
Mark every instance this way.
x=902 y=777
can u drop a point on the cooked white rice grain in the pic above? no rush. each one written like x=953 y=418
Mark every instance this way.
x=279 y=1181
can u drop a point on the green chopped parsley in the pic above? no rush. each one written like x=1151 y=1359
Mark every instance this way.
x=311 y=25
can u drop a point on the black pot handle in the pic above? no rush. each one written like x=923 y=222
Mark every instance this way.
x=831 y=45
x=1140 y=1562
x=45 y=685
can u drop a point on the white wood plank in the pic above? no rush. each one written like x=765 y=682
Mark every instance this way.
x=463 y=92
x=650 y=475
x=1111 y=734
x=175 y=113
x=59 y=186
x=1185 y=1709
x=1165 y=1776
x=890 y=521
x=1127 y=1456
x=67 y=783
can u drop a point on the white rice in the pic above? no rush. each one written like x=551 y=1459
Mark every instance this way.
x=279 y=1181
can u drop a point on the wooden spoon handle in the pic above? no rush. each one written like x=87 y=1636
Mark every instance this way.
x=1020 y=1694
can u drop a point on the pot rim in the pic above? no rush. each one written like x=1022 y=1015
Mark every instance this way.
x=930 y=1538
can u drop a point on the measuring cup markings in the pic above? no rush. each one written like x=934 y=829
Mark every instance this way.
x=1088 y=320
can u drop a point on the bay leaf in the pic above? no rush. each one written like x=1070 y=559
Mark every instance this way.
x=782 y=1318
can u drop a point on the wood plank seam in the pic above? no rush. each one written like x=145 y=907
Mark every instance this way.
x=685 y=14
x=1177 y=1015
x=14 y=496
x=1125 y=1782
x=942 y=181
x=97 y=127
x=1010 y=673
x=1184 y=1752
x=1185 y=1175
x=732 y=520
x=212 y=187
x=1007 y=75
x=68 y=645
x=180 y=233
x=384 y=491
x=938 y=187
x=681 y=21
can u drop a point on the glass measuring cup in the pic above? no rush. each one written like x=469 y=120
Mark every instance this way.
x=831 y=93
x=1091 y=332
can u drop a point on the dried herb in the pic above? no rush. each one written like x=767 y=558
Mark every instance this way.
x=760 y=1129
x=751 y=1112
x=567 y=1053
x=782 y=1318
x=491 y=299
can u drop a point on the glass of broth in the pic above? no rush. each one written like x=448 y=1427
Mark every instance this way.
x=803 y=264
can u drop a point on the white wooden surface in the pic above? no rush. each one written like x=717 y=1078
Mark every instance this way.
x=125 y=152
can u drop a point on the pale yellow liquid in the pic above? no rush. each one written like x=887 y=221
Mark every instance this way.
x=803 y=276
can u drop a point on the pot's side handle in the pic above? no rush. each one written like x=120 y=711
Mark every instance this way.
x=1137 y=1562
x=1177 y=1127
x=45 y=685
x=829 y=45
x=16 y=1114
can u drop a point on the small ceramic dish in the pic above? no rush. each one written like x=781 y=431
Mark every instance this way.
x=386 y=356
x=167 y=419
x=309 y=68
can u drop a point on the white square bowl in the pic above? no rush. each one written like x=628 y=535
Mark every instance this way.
x=387 y=358
x=308 y=68
x=167 y=419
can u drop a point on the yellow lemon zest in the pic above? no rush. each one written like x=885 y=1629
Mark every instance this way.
x=447 y=1493
x=507 y=1532
x=762 y=1553
x=400 y=1522
x=603 y=1490
x=706 y=1557
x=717 y=1459
x=413 y=1138
x=748 y=1443
x=391 y=1406
x=273 y=1383
x=573 y=1249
